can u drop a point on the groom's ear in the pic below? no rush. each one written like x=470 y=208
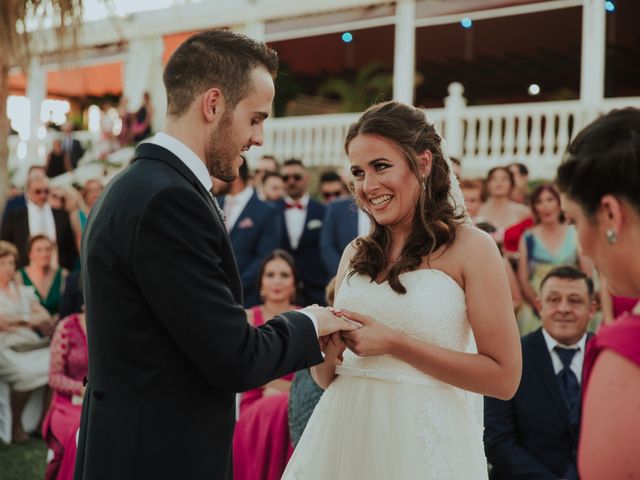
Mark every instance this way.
x=425 y=161
x=212 y=104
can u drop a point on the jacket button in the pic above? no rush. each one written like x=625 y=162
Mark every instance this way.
x=98 y=395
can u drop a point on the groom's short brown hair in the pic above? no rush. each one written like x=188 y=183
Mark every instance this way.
x=214 y=58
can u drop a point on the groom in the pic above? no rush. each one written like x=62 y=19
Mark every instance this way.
x=169 y=342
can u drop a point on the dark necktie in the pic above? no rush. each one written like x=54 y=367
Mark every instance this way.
x=568 y=380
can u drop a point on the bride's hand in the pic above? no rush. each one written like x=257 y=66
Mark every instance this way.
x=374 y=338
x=333 y=347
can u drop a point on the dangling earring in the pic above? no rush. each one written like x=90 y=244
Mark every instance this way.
x=612 y=237
x=424 y=183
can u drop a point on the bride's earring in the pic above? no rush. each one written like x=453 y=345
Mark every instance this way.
x=612 y=237
x=424 y=183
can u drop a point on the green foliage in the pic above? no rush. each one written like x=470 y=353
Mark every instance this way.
x=371 y=84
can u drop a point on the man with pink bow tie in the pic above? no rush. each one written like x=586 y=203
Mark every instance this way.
x=302 y=218
x=254 y=228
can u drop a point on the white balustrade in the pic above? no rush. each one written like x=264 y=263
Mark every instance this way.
x=536 y=134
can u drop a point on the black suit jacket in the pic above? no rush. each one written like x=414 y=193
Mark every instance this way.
x=532 y=436
x=15 y=229
x=309 y=264
x=169 y=342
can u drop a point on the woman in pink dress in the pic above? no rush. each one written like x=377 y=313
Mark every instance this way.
x=600 y=182
x=261 y=442
x=67 y=370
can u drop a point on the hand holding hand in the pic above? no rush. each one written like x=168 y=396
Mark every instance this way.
x=374 y=338
x=328 y=323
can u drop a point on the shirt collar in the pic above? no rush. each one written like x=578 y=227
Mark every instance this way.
x=32 y=206
x=304 y=200
x=244 y=196
x=186 y=155
x=552 y=342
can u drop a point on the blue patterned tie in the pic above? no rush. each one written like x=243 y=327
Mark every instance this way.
x=568 y=380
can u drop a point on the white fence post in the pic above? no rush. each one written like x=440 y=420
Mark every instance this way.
x=454 y=106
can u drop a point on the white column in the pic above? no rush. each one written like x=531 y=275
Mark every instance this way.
x=404 y=51
x=143 y=73
x=36 y=93
x=593 y=52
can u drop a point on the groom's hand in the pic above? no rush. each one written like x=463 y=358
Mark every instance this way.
x=328 y=322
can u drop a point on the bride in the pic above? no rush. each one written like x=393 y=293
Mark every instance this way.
x=404 y=401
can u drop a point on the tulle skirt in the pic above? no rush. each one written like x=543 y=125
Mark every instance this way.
x=378 y=425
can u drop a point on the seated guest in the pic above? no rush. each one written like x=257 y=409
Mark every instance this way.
x=261 y=442
x=272 y=187
x=24 y=352
x=37 y=217
x=67 y=370
x=535 y=434
x=343 y=221
x=48 y=282
x=332 y=187
x=254 y=227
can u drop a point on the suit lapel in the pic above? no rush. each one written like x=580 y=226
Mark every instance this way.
x=150 y=150
x=286 y=243
x=156 y=152
x=544 y=367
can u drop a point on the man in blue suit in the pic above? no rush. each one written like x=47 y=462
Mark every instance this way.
x=535 y=434
x=343 y=221
x=302 y=218
x=254 y=227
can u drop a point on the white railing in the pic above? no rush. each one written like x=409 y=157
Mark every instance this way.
x=535 y=134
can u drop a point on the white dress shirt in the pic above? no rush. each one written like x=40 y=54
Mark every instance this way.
x=198 y=168
x=294 y=219
x=41 y=220
x=576 y=361
x=234 y=206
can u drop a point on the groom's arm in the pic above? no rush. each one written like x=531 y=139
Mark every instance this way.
x=179 y=270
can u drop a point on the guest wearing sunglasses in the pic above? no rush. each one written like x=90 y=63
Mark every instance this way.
x=303 y=219
x=332 y=187
x=39 y=218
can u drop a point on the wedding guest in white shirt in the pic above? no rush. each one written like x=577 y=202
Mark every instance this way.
x=535 y=434
x=39 y=218
x=303 y=220
x=254 y=227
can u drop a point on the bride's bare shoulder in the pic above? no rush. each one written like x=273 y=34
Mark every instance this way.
x=471 y=241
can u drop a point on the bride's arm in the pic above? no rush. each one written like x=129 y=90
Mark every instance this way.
x=324 y=373
x=495 y=370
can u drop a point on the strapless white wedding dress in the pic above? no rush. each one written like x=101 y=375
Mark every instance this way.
x=382 y=419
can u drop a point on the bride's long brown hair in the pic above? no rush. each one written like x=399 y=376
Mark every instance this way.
x=435 y=218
